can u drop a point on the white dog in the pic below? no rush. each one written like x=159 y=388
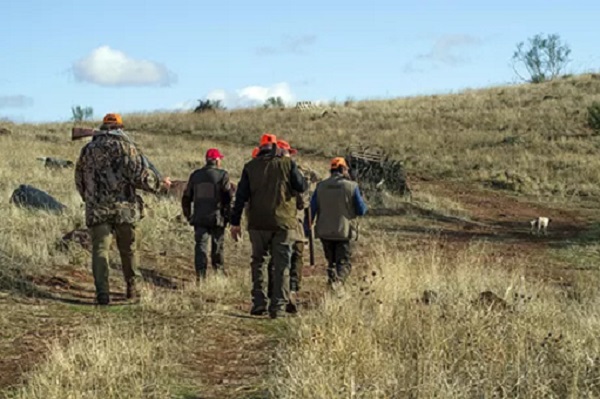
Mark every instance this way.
x=540 y=225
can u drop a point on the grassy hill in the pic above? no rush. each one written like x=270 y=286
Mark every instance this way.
x=416 y=320
x=527 y=138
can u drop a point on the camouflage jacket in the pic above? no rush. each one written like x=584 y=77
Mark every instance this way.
x=109 y=170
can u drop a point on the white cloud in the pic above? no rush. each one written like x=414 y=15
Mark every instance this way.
x=105 y=66
x=219 y=94
x=185 y=105
x=247 y=97
x=252 y=96
x=446 y=50
x=16 y=101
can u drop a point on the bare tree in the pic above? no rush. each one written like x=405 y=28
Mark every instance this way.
x=543 y=58
x=274 y=102
x=81 y=113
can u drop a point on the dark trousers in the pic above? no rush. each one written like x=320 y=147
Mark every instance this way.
x=102 y=235
x=216 y=236
x=279 y=245
x=338 y=255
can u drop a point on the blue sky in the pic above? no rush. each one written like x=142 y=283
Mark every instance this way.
x=129 y=56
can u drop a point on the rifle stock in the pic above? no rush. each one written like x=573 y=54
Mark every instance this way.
x=82 y=132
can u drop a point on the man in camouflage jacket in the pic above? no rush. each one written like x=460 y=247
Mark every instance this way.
x=109 y=170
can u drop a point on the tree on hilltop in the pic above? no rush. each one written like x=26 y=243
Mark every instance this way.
x=80 y=113
x=542 y=58
x=274 y=102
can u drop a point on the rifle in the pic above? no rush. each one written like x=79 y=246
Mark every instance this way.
x=81 y=132
x=311 y=236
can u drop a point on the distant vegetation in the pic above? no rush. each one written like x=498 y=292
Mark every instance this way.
x=543 y=58
x=274 y=102
x=594 y=116
x=81 y=113
x=209 y=105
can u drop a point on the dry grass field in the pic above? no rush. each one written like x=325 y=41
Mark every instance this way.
x=450 y=296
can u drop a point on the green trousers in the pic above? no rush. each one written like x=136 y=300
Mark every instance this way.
x=296 y=265
x=279 y=245
x=101 y=239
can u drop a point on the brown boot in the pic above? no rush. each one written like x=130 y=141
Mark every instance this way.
x=132 y=292
x=292 y=305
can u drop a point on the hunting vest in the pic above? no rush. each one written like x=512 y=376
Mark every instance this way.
x=335 y=208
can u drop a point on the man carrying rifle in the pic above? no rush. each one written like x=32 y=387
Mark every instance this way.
x=109 y=170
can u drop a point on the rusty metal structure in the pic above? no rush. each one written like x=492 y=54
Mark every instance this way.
x=373 y=169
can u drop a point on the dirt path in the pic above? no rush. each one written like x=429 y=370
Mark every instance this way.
x=231 y=358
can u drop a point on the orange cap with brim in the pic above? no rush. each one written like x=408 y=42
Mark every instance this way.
x=284 y=145
x=112 y=119
x=337 y=162
x=267 y=139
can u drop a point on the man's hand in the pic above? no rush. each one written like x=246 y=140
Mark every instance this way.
x=236 y=233
x=167 y=182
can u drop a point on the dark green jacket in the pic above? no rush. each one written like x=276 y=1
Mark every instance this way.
x=268 y=185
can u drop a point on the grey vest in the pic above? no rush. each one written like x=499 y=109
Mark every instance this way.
x=335 y=208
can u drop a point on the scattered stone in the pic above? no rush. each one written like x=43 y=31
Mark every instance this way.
x=490 y=300
x=30 y=197
x=429 y=297
x=56 y=163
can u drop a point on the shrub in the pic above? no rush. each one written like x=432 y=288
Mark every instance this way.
x=594 y=116
x=209 y=105
x=274 y=102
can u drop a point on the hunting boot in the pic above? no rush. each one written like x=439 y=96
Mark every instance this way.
x=102 y=299
x=258 y=310
x=132 y=291
x=292 y=305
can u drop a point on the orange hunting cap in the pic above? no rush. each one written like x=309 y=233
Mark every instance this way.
x=112 y=119
x=268 y=139
x=337 y=162
x=284 y=145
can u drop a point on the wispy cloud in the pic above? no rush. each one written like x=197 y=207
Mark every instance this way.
x=289 y=45
x=105 y=66
x=16 y=101
x=250 y=96
x=446 y=50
